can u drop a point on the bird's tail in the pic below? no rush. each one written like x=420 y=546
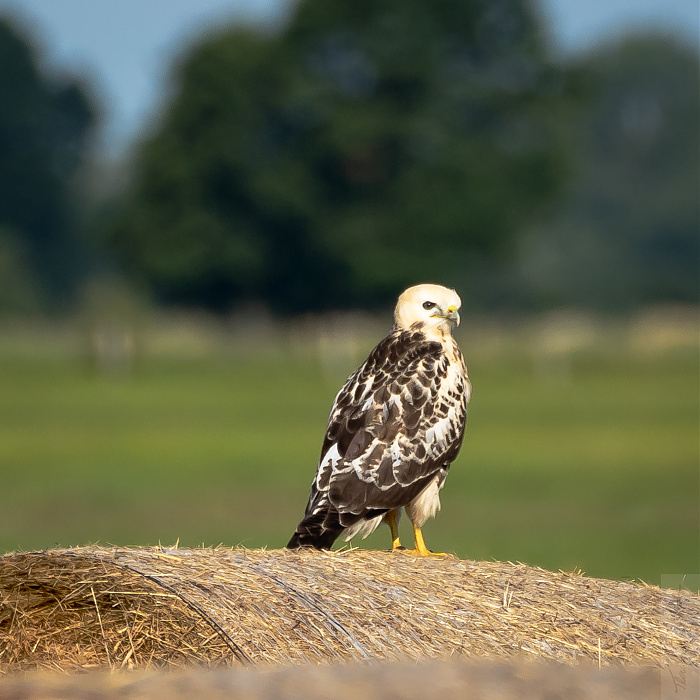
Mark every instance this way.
x=319 y=529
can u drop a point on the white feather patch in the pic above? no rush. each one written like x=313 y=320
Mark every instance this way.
x=395 y=454
x=331 y=458
x=363 y=528
x=426 y=503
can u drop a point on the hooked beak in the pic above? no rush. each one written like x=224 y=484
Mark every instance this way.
x=450 y=315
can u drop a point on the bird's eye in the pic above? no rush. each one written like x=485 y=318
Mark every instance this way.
x=427 y=305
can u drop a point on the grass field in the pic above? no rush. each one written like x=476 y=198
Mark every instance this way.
x=593 y=467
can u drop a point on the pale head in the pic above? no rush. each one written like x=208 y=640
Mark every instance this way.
x=430 y=305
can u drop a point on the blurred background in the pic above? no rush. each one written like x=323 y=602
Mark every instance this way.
x=207 y=210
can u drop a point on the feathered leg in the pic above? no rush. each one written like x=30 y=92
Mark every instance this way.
x=392 y=520
x=424 y=506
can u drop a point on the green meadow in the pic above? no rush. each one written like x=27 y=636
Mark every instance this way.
x=592 y=466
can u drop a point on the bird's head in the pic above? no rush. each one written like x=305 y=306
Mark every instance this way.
x=430 y=305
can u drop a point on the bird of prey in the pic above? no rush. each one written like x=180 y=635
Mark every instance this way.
x=395 y=427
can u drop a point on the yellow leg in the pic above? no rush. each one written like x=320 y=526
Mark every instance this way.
x=420 y=548
x=392 y=522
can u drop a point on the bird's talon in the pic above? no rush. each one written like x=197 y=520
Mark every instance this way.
x=420 y=553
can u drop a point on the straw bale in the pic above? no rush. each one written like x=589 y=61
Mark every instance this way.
x=120 y=608
x=454 y=679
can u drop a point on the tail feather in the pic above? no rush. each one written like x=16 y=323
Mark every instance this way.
x=322 y=540
x=319 y=529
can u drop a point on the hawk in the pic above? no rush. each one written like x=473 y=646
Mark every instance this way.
x=395 y=427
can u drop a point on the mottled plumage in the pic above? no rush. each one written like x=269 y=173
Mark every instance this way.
x=395 y=427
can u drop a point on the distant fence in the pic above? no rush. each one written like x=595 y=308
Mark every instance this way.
x=340 y=340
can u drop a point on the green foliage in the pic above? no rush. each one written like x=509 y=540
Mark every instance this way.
x=19 y=291
x=43 y=129
x=626 y=232
x=368 y=146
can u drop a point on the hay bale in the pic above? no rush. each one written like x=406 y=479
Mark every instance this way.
x=455 y=679
x=114 y=607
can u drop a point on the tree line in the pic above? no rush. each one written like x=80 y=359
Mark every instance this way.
x=364 y=147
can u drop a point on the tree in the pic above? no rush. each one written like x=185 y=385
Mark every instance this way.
x=626 y=231
x=372 y=144
x=44 y=124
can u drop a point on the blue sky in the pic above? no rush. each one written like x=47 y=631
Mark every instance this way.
x=124 y=47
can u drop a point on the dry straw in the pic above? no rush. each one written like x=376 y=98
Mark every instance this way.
x=453 y=679
x=93 y=607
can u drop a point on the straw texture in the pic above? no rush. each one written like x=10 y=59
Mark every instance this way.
x=94 y=607
x=455 y=679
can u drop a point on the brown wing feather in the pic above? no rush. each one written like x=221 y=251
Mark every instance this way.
x=379 y=452
x=396 y=424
